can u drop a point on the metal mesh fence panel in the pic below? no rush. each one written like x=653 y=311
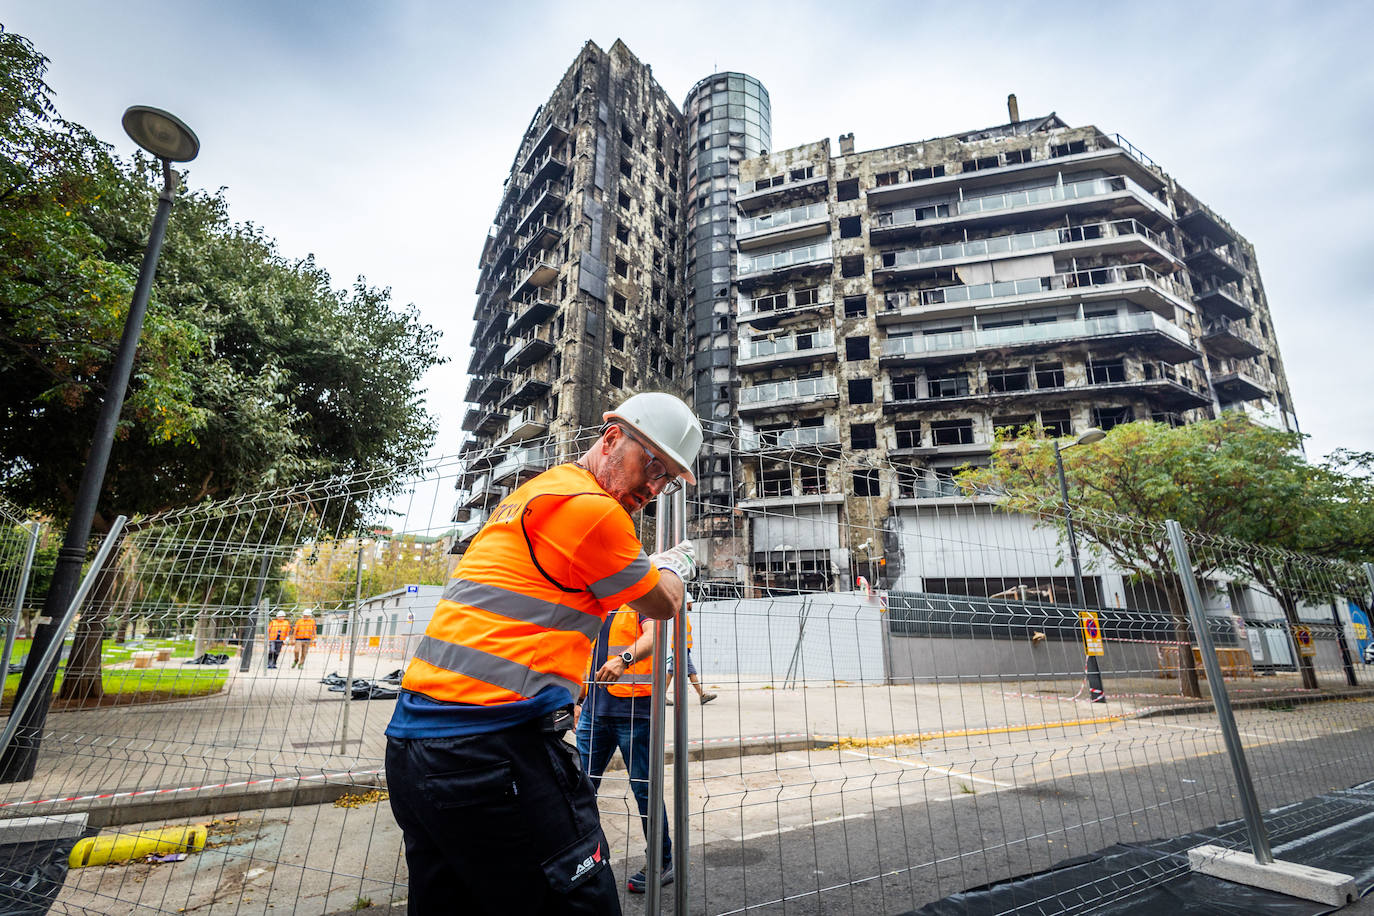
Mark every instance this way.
x=900 y=707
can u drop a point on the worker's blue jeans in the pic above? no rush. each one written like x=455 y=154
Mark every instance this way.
x=598 y=736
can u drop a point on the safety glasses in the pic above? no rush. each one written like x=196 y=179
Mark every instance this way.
x=655 y=468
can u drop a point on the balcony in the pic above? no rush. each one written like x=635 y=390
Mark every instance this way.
x=541 y=236
x=1137 y=283
x=1116 y=155
x=525 y=391
x=520 y=464
x=778 y=265
x=771 y=316
x=763 y=496
x=805 y=438
x=548 y=197
x=534 y=309
x=1222 y=302
x=552 y=135
x=489 y=388
x=808 y=189
x=483 y=420
x=783 y=226
x=483 y=490
x=1231 y=338
x=463 y=534
x=1115 y=237
x=788 y=393
x=527 y=424
x=1165 y=338
x=490 y=357
x=476 y=457
x=1240 y=384
x=1215 y=261
x=530 y=349
x=781 y=351
x=460 y=514
x=1117 y=195
x=1204 y=225
x=1168 y=388
x=491 y=322
x=540 y=274
x=550 y=165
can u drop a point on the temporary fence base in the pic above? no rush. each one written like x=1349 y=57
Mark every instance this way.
x=1289 y=878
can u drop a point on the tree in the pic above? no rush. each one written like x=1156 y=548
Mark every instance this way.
x=325 y=573
x=1227 y=477
x=253 y=371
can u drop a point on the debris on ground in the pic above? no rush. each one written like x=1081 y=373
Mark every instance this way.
x=370 y=797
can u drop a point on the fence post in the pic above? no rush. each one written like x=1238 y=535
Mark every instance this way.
x=12 y=629
x=352 y=644
x=47 y=665
x=1346 y=662
x=680 y=694
x=1245 y=788
x=248 y=631
x=668 y=531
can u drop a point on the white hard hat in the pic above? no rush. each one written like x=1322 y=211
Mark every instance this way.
x=668 y=424
x=281 y=613
x=308 y=612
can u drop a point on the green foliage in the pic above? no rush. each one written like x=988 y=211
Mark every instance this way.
x=253 y=372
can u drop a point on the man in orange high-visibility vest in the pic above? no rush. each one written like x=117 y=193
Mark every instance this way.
x=497 y=816
x=305 y=635
x=278 y=632
x=615 y=714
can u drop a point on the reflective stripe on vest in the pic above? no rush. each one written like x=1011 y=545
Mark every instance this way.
x=505 y=629
x=638 y=679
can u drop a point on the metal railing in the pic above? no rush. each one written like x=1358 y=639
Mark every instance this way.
x=1069 y=280
x=822 y=339
x=1013 y=200
x=1019 y=242
x=770 y=221
x=775 y=260
x=790 y=389
x=976 y=339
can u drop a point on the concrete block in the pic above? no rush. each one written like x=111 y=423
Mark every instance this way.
x=1288 y=878
x=38 y=829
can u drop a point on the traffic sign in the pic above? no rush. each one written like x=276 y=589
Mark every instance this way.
x=1092 y=632
x=1303 y=636
x=412 y=589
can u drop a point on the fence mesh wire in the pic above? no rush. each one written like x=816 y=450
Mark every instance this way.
x=900 y=710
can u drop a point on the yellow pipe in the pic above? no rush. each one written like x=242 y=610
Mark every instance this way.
x=121 y=847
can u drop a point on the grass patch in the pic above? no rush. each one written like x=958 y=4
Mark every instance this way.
x=125 y=686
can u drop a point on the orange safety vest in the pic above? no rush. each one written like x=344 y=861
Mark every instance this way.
x=279 y=629
x=638 y=679
x=305 y=628
x=513 y=619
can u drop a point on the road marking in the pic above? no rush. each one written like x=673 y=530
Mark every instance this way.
x=807 y=826
x=969 y=732
x=918 y=762
x=1209 y=728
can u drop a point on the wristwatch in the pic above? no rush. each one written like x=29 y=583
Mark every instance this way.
x=627 y=657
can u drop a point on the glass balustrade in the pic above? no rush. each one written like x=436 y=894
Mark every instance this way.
x=790 y=389
x=918 y=344
x=781 y=346
x=770 y=221
x=1020 y=242
x=1075 y=190
x=777 y=259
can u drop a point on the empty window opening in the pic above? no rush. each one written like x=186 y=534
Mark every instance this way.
x=847 y=189
x=855 y=306
x=617 y=377
x=851 y=227
x=1102 y=373
x=1009 y=379
x=908 y=433
x=866 y=482
x=855 y=348
x=1049 y=375
x=1104 y=418
x=861 y=391
x=863 y=435
x=951 y=432
x=852 y=266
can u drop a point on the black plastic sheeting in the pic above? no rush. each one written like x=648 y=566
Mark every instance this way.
x=31 y=874
x=1331 y=831
x=387 y=687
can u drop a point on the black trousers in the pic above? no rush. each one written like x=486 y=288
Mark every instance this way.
x=273 y=650
x=503 y=823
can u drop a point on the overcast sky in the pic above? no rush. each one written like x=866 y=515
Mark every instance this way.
x=376 y=135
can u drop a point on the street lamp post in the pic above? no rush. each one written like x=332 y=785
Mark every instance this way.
x=1088 y=436
x=167 y=138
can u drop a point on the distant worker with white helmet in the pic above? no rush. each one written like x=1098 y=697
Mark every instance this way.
x=495 y=810
x=305 y=635
x=278 y=632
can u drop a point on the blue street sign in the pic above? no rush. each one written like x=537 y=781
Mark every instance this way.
x=412 y=589
x=1360 y=624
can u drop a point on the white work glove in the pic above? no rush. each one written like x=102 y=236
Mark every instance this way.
x=681 y=559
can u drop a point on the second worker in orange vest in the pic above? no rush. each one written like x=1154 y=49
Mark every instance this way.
x=496 y=813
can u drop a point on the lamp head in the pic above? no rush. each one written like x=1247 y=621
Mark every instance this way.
x=161 y=133
x=1089 y=436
